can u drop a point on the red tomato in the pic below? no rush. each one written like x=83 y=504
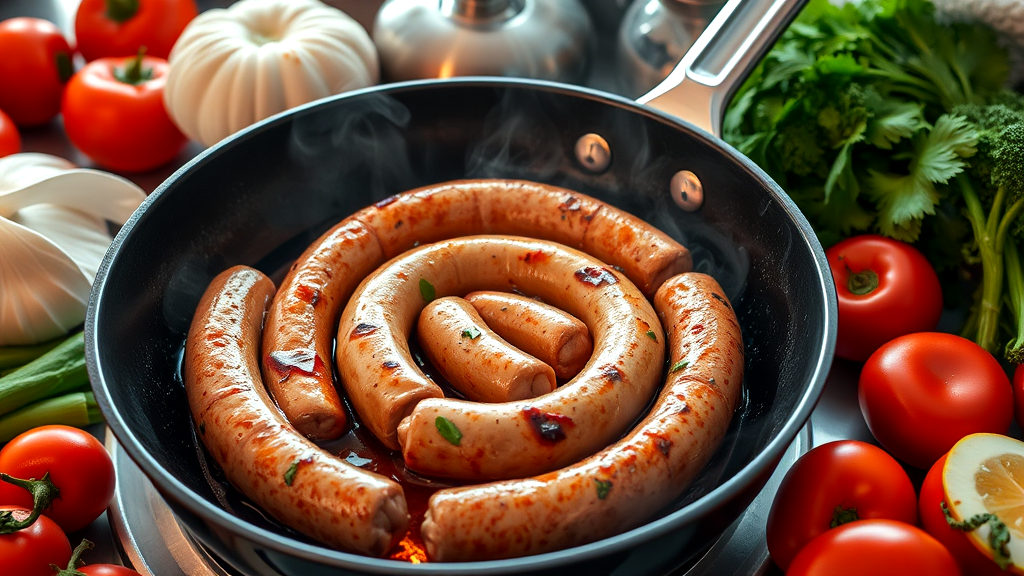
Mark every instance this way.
x=853 y=476
x=35 y=64
x=933 y=520
x=1018 y=394
x=875 y=548
x=921 y=393
x=30 y=552
x=121 y=27
x=10 y=140
x=78 y=465
x=114 y=113
x=885 y=289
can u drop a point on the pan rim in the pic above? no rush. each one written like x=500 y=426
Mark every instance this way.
x=761 y=465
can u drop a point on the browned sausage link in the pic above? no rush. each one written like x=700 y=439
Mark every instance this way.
x=475 y=360
x=623 y=485
x=645 y=255
x=286 y=475
x=302 y=318
x=296 y=341
x=512 y=439
x=545 y=332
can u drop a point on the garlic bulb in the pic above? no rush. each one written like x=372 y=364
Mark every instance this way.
x=53 y=235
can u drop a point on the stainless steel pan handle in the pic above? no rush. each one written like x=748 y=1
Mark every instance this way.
x=704 y=81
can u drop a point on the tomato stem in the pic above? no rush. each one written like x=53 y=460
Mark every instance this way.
x=43 y=494
x=863 y=282
x=134 y=73
x=998 y=534
x=72 y=569
x=860 y=283
x=121 y=11
x=842 y=515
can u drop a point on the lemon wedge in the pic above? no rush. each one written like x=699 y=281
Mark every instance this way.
x=983 y=482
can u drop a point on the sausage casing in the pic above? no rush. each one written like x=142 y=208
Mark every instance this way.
x=623 y=485
x=511 y=439
x=545 y=332
x=296 y=359
x=305 y=312
x=475 y=360
x=262 y=455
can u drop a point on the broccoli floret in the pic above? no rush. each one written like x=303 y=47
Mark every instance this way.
x=995 y=215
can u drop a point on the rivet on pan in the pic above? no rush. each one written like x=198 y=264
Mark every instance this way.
x=687 y=190
x=593 y=153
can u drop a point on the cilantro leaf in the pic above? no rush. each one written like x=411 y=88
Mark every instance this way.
x=893 y=121
x=448 y=430
x=427 y=290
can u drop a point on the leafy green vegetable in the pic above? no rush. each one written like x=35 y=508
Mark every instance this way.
x=679 y=366
x=874 y=116
x=472 y=333
x=603 y=487
x=849 y=112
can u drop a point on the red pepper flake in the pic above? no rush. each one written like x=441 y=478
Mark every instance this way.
x=398 y=224
x=595 y=276
x=612 y=373
x=548 y=425
x=570 y=203
x=390 y=364
x=697 y=329
x=535 y=257
x=362 y=329
x=308 y=294
x=386 y=201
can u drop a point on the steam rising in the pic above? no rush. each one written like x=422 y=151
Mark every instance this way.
x=364 y=141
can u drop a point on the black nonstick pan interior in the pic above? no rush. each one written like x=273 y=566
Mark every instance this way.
x=261 y=197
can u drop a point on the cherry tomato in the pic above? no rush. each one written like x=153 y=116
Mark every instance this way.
x=35 y=64
x=1018 y=394
x=29 y=552
x=10 y=140
x=120 y=27
x=78 y=465
x=114 y=113
x=885 y=288
x=875 y=548
x=933 y=520
x=921 y=393
x=839 y=481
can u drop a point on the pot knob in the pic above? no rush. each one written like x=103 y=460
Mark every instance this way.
x=542 y=39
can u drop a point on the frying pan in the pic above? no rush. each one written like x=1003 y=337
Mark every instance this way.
x=261 y=196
